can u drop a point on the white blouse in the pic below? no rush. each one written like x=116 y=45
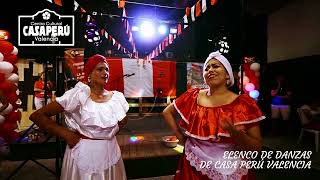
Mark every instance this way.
x=93 y=119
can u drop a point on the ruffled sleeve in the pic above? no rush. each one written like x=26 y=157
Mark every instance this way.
x=203 y=122
x=124 y=106
x=185 y=103
x=246 y=111
x=73 y=98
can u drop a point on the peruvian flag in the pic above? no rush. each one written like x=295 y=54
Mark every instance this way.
x=142 y=78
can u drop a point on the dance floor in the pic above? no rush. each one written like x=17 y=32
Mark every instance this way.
x=147 y=145
x=145 y=155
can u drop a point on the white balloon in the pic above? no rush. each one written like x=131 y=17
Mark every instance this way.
x=14 y=78
x=255 y=66
x=14 y=51
x=7 y=110
x=17 y=92
x=1 y=119
x=6 y=67
x=1 y=56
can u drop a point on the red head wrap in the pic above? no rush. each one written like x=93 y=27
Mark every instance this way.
x=91 y=64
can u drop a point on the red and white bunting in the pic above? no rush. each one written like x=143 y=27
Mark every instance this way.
x=58 y=2
x=76 y=5
x=198 y=9
x=115 y=43
x=121 y=3
x=204 y=5
x=193 y=17
x=170 y=38
x=190 y=16
x=160 y=48
x=213 y=2
x=185 y=21
x=129 y=32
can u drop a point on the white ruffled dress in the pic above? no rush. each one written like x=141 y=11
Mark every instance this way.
x=93 y=159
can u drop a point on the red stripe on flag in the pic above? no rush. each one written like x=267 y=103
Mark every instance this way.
x=115 y=81
x=164 y=78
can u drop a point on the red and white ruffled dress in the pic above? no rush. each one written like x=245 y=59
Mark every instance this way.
x=207 y=141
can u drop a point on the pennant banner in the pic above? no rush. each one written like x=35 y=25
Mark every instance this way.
x=129 y=33
x=190 y=16
x=115 y=43
x=121 y=3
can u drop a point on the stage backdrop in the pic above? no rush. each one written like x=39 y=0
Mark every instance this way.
x=133 y=77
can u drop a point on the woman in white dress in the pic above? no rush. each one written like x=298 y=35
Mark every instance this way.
x=93 y=116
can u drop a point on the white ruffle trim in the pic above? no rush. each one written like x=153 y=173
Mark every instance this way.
x=182 y=116
x=243 y=122
x=251 y=121
x=80 y=109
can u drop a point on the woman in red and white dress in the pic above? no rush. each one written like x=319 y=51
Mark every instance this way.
x=39 y=90
x=93 y=117
x=214 y=120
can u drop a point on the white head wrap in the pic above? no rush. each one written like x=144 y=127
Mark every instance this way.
x=224 y=61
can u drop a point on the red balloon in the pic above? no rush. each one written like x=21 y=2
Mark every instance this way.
x=9 y=136
x=11 y=58
x=15 y=69
x=12 y=98
x=13 y=117
x=6 y=47
x=2 y=77
x=7 y=87
x=15 y=107
x=12 y=137
x=9 y=126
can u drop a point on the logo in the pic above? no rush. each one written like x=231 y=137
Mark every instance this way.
x=46 y=28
